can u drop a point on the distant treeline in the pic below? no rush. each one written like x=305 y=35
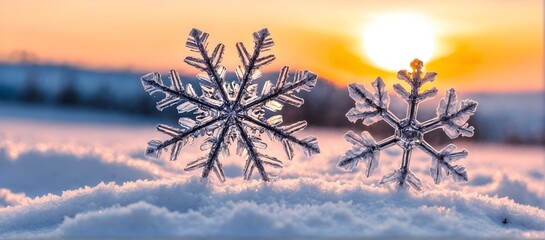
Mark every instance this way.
x=78 y=88
x=325 y=106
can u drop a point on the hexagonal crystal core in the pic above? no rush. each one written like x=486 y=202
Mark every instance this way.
x=409 y=135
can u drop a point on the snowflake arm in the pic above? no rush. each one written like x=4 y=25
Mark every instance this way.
x=403 y=177
x=441 y=162
x=409 y=132
x=272 y=98
x=371 y=108
x=284 y=134
x=453 y=117
x=365 y=149
x=209 y=64
x=153 y=83
x=179 y=138
x=211 y=161
x=253 y=158
x=250 y=64
x=283 y=91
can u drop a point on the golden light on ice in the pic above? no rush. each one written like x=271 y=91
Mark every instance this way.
x=393 y=41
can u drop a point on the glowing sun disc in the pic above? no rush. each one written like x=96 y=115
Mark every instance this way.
x=391 y=42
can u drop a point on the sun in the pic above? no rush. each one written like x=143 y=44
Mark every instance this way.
x=392 y=41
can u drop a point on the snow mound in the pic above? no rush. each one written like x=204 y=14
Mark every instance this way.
x=518 y=191
x=47 y=170
x=8 y=198
x=297 y=207
x=43 y=194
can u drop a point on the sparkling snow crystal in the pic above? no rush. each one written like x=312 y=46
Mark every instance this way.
x=409 y=132
x=231 y=112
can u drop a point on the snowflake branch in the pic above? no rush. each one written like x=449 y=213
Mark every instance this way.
x=428 y=149
x=262 y=42
x=406 y=158
x=440 y=122
x=191 y=131
x=350 y=162
x=310 y=77
x=389 y=117
x=312 y=148
x=404 y=174
x=212 y=162
x=252 y=154
x=198 y=43
x=154 y=83
x=430 y=125
x=452 y=117
x=447 y=119
x=459 y=171
x=411 y=110
x=387 y=142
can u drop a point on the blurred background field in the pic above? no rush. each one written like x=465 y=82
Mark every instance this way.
x=68 y=55
x=502 y=117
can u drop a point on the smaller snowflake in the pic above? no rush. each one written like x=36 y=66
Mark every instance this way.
x=452 y=117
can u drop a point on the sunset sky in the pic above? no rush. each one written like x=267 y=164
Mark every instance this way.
x=476 y=46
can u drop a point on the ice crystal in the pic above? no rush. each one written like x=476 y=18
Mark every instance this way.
x=409 y=132
x=227 y=112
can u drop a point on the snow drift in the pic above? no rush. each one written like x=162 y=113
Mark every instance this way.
x=89 y=179
x=302 y=207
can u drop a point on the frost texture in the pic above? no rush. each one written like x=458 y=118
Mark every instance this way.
x=409 y=132
x=232 y=112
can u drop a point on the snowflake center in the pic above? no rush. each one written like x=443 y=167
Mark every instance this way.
x=231 y=113
x=409 y=135
x=231 y=110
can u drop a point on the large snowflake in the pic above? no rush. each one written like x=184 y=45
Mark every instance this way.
x=231 y=112
x=409 y=132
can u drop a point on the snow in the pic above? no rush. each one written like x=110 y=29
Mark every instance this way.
x=291 y=207
x=80 y=178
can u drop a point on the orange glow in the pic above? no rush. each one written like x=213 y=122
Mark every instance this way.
x=389 y=43
x=483 y=45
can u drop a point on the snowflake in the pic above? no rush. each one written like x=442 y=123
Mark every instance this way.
x=409 y=132
x=226 y=112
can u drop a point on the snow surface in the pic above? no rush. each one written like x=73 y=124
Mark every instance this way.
x=78 y=178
